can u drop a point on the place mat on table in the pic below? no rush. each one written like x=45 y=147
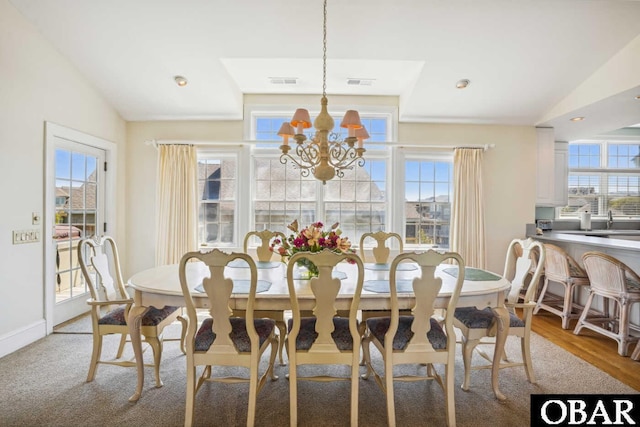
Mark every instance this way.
x=473 y=274
x=336 y=274
x=382 y=286
x=405 y=266
x=240 y=263
x=242 y=286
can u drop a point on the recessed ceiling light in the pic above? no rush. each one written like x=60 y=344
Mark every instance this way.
x=461 y=84
x=576 y=119
x=180 y=81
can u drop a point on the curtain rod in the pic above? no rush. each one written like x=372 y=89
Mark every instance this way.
x=155 y=143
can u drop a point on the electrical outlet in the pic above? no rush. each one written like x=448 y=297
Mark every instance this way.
x=25 y=236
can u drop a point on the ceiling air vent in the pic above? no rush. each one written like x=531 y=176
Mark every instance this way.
x=359 y=82
x=283 y=80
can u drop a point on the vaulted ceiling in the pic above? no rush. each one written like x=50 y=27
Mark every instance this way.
x=530 y=62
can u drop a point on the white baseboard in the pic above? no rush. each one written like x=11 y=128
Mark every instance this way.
x=24 y=336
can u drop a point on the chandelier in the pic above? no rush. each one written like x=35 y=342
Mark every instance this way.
x=324 y=155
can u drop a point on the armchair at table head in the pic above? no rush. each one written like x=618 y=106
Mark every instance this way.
x=100 y=264
x=418 y=338
x=322 y=337
x=381 y=251
x=476 y=324
x=220 y=338
x=617 y=284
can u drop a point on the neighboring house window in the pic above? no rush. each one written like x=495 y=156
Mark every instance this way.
x=603 y=176
x=217 y=194
x=428 y=193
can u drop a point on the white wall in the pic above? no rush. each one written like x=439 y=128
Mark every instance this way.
x=38 y=85
x=509 y=177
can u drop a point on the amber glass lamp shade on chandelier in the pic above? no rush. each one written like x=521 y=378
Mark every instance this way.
x=324 y=155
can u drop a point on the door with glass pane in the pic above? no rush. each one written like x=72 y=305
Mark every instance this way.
x=79 y=212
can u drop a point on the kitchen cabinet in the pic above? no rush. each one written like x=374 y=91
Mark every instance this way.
x=552 y=169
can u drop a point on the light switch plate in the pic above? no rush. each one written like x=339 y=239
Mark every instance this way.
x=25 y=236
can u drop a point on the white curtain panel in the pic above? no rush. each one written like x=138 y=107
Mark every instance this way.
x=177 y=204
x=467 y=220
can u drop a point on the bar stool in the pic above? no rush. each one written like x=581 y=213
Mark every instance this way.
x=560 y=267
x=615 y=282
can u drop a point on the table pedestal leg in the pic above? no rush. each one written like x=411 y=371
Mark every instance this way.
x=502 y=318
x=134 y=321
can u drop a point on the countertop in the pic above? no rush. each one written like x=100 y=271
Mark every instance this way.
x=572 y=237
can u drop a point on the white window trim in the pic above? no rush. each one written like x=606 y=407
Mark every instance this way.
x=242 y=205
x=254 y=111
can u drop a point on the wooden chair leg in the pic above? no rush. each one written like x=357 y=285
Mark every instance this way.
x=191 y=391
x=123 y=341
x=95 y=356
x=282 y=330
x=183 y=333
x=526 y=357
x=156 y=346
x=388 y=377
x=467 y=352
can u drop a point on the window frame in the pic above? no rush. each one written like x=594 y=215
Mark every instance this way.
x=603 y=172
x=402 y=155
x=393 y=154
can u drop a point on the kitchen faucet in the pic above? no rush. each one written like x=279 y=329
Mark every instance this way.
x=610 y=220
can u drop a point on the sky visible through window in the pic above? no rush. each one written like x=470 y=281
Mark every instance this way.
x=73 y=167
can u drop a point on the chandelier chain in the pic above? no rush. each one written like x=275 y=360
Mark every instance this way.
x=324 y=52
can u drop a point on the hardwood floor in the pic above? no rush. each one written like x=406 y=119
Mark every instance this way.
x=596 y=349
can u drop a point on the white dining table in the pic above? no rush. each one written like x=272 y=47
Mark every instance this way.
x=160 y=286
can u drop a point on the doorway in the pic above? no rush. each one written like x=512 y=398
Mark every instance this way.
x=75 y=209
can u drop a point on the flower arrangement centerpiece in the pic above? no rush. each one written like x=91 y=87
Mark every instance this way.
x=313 y=238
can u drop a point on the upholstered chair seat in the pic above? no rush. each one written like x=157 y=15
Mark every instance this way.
x=205 y=335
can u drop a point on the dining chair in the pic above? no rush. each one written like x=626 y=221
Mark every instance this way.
x=265 y=254
x=381 y=254
x=381 y=251
x=560 y=267
x=110 y=304
x=476 y=324
x=263 y=251
x=618 y=285
x=419 y=338
x=320 y=336
x=221 y=339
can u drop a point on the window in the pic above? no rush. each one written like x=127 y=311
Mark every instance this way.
x=407 y=193
x=357 y=200
x=604 y=176
x=428 y=193
x=217 y=194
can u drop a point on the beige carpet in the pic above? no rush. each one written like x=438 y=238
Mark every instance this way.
x=44 y=385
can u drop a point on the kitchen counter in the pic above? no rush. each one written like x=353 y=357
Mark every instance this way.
x=611 y=240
